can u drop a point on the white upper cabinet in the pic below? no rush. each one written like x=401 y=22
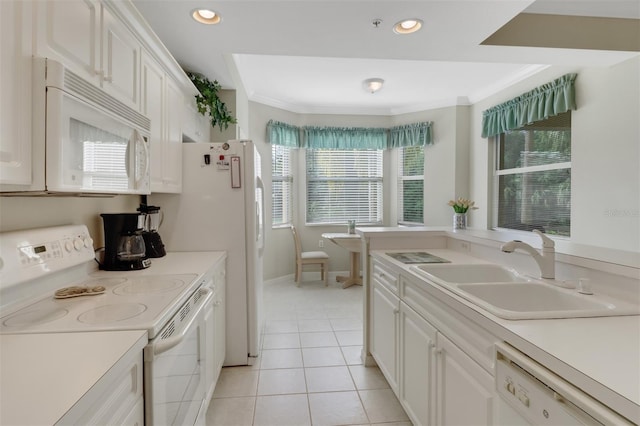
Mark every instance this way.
x=162 y=102
x=120 y=60
x=195 y=126
x=172 y=160
x=86 y=37
x=16 y=170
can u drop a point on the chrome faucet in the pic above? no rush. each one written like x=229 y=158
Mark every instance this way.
x=546 y=261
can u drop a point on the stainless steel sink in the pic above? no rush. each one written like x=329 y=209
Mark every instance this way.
x=508 y=294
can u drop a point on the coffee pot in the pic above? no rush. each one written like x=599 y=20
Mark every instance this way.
x=152 y=240
x=124 y=245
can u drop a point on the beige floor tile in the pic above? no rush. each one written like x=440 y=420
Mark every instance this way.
x=280 y=326
x=344 y=324
x=395 y=424
x=281 y=381
x=311 y=314
x=281 y=341
x=282 y=410
x=322 y=357
x=231 y=411
x=367 y=378
x=236 y=381
x=318 y=339
x=281 y=358
x=311 y=325
x=382 y=405
x=349 y=338
x=336 y=408
x=352 y=354
x=328 y=379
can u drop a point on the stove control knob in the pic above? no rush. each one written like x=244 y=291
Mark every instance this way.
x=78 y=244
x=68 y=246
x=88 y=242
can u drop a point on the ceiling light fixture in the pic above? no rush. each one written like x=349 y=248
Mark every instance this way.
x=206 y=16
x=372 y=85
x=407 y=26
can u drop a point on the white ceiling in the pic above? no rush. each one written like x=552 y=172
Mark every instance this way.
x=311 y=56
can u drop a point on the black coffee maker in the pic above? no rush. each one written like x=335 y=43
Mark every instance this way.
x=124 y=247
x=152 y=240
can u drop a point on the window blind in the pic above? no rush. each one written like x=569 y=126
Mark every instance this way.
x=411 y=185
x=344 y=185
x=282 y=185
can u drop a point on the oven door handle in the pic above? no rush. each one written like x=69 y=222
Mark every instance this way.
x=163 y=345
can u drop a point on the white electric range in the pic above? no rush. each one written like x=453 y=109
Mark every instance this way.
x=170 y=307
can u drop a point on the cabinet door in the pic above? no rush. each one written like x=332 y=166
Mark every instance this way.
x=120 y=60
x=15 y=94
x=417 y=366
x=152 y=100
x=384 y=333
x=465 y=394
x=172 y=155
x=69 y=31
x=220 y=333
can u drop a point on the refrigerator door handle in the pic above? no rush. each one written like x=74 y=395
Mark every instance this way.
x=260 y=212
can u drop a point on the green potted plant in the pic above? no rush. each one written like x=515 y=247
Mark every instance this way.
x=208 y=101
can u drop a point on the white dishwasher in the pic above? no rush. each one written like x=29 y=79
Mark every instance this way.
x=530 y=394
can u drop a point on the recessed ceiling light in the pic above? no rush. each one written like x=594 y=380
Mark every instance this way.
x=407 y=26
x=206 y=16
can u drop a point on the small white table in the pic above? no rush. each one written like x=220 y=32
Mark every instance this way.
x=352 y=243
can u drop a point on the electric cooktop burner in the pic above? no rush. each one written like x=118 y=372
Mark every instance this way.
x=137 y=286
x=111 y=313
x=35 y=317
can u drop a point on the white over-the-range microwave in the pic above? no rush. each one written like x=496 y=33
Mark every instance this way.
x=86 y=141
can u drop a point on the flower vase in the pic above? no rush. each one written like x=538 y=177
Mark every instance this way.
x=459 y=221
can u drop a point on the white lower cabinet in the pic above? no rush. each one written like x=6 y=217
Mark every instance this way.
x=464 y=390
x=117 y=399
x=384 y=332
x=436 y=381
x=219 y=314
x=417 y=366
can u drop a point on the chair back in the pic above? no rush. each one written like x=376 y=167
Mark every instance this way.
x=296 y=240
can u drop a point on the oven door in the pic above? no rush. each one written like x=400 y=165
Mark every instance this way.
x=175 y=366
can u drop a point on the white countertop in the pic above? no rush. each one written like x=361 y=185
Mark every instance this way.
x=599 y=355
x=44 y=375
x=186 y=262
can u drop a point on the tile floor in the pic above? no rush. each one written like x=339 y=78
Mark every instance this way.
x=310 y=371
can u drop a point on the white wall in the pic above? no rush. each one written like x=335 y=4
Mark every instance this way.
x=605 y=177
x=36 y=212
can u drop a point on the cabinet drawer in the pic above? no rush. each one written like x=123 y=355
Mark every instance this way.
x=385 y=276
x=474 y=340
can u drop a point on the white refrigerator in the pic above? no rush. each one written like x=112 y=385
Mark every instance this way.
x=221 y=207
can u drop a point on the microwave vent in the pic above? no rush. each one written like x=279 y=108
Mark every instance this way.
x=80 y=87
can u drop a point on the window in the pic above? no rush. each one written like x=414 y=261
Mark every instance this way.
x=533 y=176
x=411 y=185
x=344 y=185
x=282 y=186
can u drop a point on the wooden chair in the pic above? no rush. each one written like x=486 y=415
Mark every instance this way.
x=309 y=258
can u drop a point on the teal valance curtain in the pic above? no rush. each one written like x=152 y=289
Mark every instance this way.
x=344 y=137
x=284 y=134
x=550 y=99
x=416 y=134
